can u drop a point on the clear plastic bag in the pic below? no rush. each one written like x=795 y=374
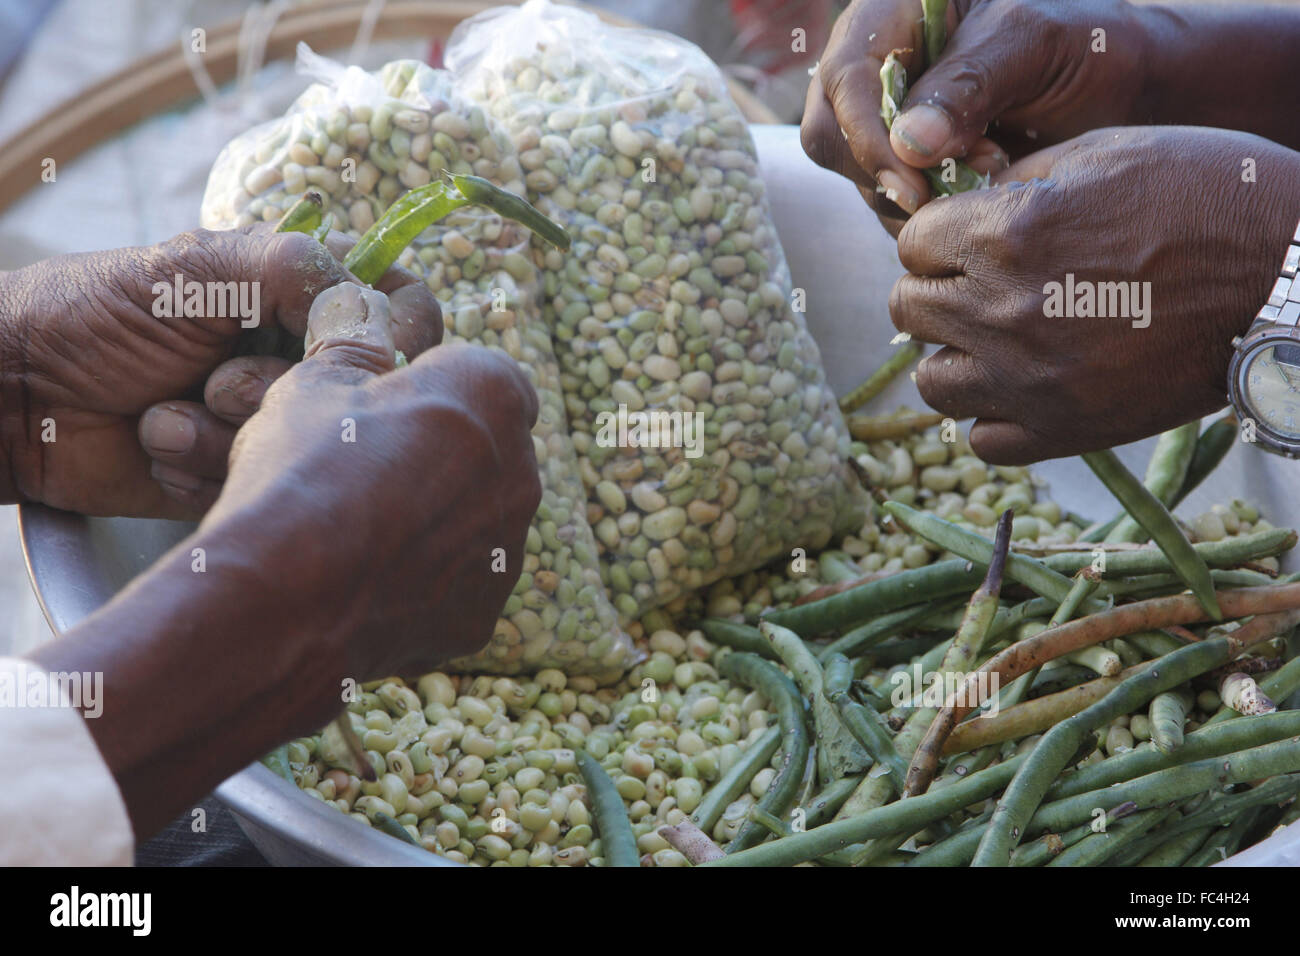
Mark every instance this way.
x=363 y=139
x=674 y=308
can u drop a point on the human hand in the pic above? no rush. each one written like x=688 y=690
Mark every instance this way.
x=1160 y=211
x=87 y=356
x=390 y=496
x=1026 y=72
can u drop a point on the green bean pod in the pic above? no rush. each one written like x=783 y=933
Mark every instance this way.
x=758 y=674
x=1211 y=448
x=740 y=637
x=942 y=579
x=733 y=783
x=1165 y=474
x=1152 y=515
x=303 y=216
x=1050 y=756
x=618 y=845
x=481 y=192
x=1095 y=849
x=878 y=380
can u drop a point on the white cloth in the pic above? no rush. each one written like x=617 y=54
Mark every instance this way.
x=59 y=805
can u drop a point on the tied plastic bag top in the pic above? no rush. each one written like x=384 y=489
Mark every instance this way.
x=362 y=140
x=707 y=438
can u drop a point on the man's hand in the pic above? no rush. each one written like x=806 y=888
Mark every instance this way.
x=1162 y=211
x=359 y=534
x=1027 y=68
x=83 y=356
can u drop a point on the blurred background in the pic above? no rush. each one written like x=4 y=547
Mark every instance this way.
x=144 y=182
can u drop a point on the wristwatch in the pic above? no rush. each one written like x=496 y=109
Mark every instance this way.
x=1264 y=375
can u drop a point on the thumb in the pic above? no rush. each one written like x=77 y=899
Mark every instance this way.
x=980 y=74
x=350 y=328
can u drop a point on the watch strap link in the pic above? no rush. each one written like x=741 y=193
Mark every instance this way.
x=1283 y=306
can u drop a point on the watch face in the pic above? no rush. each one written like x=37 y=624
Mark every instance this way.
x=1270 y=387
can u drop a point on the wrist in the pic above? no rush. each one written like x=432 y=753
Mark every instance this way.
x=204 y=671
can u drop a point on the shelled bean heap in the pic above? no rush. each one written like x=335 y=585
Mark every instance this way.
x=361 y=143
x=484 y=770
x=674 y=298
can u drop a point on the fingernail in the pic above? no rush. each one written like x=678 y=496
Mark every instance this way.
x=897 y=191
x=241 y=397
x=923 y=129
x=167 y=431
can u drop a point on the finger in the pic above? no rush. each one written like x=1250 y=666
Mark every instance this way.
x=487 y=377
x=1036 y=165
x=849 y=78
x=234 y=391
x=416 y=315
x=188 y=437
x=1006 y=443
x=276 y=276
x=349 y=334
x=939 y=239
x=932 y=310
x=987 y=157
x=985 y=69
x=952 y=382
x=189 y=494
x=891 y=216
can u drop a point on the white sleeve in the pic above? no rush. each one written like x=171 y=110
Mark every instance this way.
x=59 y=805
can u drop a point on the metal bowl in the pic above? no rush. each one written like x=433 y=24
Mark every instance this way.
x=847 y=264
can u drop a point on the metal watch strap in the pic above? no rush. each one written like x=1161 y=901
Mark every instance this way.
x=1283 y=306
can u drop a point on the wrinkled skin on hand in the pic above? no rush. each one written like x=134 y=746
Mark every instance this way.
x=82 y=348
x=1159 y=205
x=385 y=494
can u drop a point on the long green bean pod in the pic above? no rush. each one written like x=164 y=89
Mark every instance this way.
x=934 y=16
x=612 y=825
x=878 y=380
x=1030 y=572
x=1096 y=848
x=907 y=588
x=390 y=826
x=899 y=817
x=420 y=208
x=1211 y=448
x=1159 y=524
x=1228 y=553
x=1050 y=756
x=740 y=637
x=758 y=674
x=1168 y=713
x=1165 y=474
x=1223 y=844
x=1175 y=851
x=1168 y=786
x=1051 y=845
x=1203 y=743
x=1220 y=811
x=838 y=753
x=880 y=628
x=868 y=729
x=733 y=783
